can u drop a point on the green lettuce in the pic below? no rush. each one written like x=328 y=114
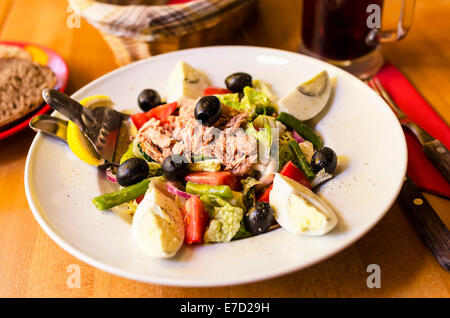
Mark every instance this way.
x=265 y=110
x=265 y=88
x=264 y=138
x=262 y=120
x=253 y=100
x=231 y=100
x=226 y=220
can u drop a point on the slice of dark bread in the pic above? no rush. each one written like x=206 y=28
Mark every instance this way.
x=21 y=85
x=11 y=51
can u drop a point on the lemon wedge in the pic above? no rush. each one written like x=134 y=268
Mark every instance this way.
x=37 y=54
x=78 y=143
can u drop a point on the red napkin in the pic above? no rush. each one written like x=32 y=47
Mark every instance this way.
x=420 y=169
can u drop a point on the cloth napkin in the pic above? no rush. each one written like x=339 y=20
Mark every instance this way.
x=154 y=22
x=413 y=104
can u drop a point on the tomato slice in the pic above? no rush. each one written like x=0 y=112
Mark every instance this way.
x=139 y=199
x=161 y=112
x=214 y=178
x=139 y=119
x=195 y=220
x=290 y=170
x=265 y=196
x=213 y=90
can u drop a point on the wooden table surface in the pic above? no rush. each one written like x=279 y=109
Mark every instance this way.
x=32 y=265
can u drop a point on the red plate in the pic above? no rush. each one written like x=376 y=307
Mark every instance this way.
x=44 y=56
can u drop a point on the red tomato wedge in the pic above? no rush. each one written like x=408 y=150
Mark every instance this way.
x=161 y=112
x=195 y=220
x=265 y=196
x=139 y=199
x=291 y=171
x=139 y=120
x=214 y=178
x=213 y=90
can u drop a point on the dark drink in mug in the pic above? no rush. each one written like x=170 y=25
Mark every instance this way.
x=337 y=29
x=343 y=32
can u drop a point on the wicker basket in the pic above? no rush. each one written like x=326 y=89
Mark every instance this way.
x=128 y=46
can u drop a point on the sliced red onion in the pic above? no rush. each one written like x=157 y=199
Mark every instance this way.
x=111 y=176
x=172 y=188
x=297 y=137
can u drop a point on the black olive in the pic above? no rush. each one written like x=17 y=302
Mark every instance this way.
x=175 y=168
x=237 y=81
x=132 y=171
x=324 y=158
x=148 y=99
x=208 y=110
x=259 y=218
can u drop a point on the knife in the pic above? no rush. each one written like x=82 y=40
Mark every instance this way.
x=436 y=152
x=433 y=231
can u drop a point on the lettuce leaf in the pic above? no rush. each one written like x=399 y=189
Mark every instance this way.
x=231 y=100
x=265 y=138
x=225 y=222
x=262 y=120
x=254 y=99
x=265 y=110
x=254 y=102
x=266 y=89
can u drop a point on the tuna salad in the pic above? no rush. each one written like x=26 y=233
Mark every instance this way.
x=214 y=164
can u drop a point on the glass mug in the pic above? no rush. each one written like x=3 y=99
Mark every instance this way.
x=347 y=33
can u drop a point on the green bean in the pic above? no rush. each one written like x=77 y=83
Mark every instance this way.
x=304 y=130
x=302 y=161
x=222 y=191
x=109 y=200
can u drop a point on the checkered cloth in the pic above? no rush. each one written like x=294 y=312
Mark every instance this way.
x=153 y=22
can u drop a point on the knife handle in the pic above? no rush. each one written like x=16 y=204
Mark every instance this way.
x=429 y=225
x=439 y=156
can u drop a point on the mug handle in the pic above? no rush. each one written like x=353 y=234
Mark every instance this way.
x=377 y=36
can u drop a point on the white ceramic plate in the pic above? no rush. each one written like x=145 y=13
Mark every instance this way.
x=358 y=125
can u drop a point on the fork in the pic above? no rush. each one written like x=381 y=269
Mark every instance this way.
x=438 y=154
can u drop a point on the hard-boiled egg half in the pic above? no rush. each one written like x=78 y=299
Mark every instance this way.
x=185 y=81
x=308 y=99
x=299 y=210
x=158 y=226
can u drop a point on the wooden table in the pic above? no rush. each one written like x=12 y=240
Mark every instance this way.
x=32 y=265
